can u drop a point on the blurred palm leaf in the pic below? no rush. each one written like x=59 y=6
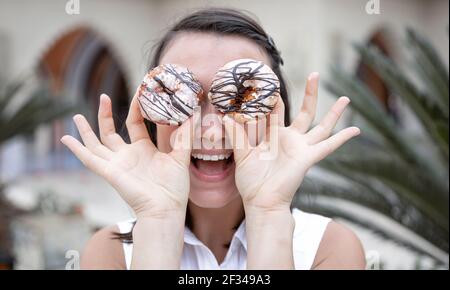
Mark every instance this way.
x=21 y=112
x=38 y=107
x=401 y=175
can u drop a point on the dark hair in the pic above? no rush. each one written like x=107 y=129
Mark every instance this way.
x=223 y=21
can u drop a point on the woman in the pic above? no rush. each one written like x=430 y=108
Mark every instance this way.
x=227 y=214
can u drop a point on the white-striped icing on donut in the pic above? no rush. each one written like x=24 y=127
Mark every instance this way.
x=245 y=88
x=168 y=94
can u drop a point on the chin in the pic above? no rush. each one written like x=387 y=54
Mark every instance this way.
x=213 y=194
x=215 y=199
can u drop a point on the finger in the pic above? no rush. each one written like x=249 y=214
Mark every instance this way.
x=275 y=118
x=237 y=138
x=325 y=128
x=89 y=159
x=135 y=122
x=107 y=129
x=308 y=110
x=278 y=113
x=89 y=138
x=257 y=130
x=182 y=140
x=328 y=146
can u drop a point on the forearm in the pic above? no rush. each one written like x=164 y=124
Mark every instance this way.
x=158 y=242
x=269 y=239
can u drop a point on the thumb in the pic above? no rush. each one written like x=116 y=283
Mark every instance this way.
x=237 y=137
x=182 y=139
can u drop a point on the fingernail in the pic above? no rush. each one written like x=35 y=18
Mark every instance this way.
x=78 y=117
x=314 y=75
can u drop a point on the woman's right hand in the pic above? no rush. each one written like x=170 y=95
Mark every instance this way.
x=154 y=184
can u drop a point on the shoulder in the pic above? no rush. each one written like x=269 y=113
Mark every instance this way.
x=103 y=251
x=339 y=248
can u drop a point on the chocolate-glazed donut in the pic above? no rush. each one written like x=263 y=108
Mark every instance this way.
x=245 y=88
x=168 y=94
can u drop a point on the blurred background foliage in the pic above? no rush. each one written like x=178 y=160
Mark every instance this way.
x=399 y=175
x=25 y=105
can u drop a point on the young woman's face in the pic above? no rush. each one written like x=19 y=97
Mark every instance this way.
x=212 y=182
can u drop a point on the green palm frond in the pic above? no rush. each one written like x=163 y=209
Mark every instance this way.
x=426 y=111
x=8 y=92
x=397 y=175
x=39 y=107
x=347 y=191
x=365 y=103
x=378 y=197
x=401 y=175
x=21 y=112
x=313 y=205
x=431 y=70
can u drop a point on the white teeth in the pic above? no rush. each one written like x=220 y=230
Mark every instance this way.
x=207 y=157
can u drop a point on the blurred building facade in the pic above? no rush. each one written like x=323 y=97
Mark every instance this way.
x=105 y=48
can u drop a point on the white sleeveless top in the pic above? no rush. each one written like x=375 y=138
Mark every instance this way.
x=308 y=232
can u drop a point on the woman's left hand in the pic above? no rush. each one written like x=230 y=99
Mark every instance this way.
x=269 y=182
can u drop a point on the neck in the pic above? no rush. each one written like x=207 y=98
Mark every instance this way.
x=215 y=227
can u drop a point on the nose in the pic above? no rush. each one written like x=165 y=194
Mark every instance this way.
x=212 y=130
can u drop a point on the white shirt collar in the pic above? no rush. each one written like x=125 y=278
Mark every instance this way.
x=240 y=235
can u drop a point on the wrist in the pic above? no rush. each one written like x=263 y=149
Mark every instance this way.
x=267 y=209
x=163 y=222
x=166 y=215
x=148 y=210
x=269 y=238
x=158 y=242
x=260 y=218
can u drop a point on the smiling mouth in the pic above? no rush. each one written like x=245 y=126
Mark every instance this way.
x=212 y=167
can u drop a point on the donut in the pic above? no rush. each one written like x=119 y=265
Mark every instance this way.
x=168 y=94
x=245 y=88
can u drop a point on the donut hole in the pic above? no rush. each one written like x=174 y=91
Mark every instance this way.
x=246 y=94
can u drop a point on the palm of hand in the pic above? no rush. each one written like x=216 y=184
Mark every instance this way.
x=150 y=181
x=147 y=177
x=270 y=181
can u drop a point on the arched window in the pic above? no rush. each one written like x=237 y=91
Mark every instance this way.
x=81 y=65
x=374 y=82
